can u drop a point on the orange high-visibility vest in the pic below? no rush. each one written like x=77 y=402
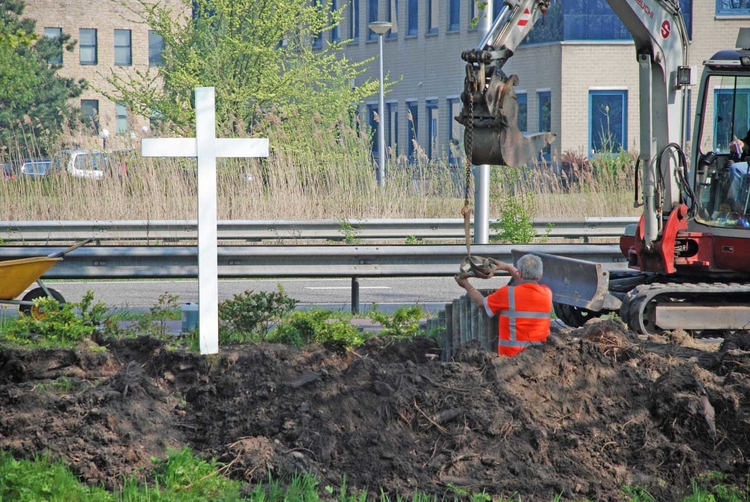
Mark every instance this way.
x=524 y=316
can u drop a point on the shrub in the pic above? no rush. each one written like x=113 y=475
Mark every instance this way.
x=248 y=316
x=404 y=322
x=332 y=330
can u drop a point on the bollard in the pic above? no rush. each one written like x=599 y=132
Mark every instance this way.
x=190 y=314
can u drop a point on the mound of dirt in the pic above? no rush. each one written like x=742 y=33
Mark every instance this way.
x=582 y=418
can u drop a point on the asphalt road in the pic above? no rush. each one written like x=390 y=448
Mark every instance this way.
x=431 y=293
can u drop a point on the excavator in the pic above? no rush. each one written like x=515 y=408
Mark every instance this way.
x=688 y=258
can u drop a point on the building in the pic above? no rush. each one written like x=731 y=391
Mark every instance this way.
x=581 y=59
x=110 y=39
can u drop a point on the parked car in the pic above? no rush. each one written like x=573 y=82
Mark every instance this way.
x=83 y=163
x=35 y=168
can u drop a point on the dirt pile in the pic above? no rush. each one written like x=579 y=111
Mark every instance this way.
x=582 y=418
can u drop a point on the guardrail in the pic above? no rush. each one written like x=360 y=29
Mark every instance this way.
x=31 y=232
x=181 y=262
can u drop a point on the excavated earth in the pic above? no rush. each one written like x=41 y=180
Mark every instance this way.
x=582 y=418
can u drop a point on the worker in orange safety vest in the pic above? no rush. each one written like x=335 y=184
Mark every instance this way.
x=524 y=307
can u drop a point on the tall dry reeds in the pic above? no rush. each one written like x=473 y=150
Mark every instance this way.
x=313 y=172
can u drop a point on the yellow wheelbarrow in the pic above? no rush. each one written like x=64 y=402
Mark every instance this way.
x=17 y=275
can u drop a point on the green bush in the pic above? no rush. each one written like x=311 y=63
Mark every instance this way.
x=323 y=326
x=247 y=317
x=403 y=322
x=59 y=324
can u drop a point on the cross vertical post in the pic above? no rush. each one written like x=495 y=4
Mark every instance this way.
x=206 y=147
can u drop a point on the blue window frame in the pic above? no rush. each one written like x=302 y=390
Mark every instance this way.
x=373 y=125
x=497 y=5
x=545 y=117
x=608 y=120
x=412 y=125
x=372 y=16
x=155 y=49
x=121 y=118
x=474 y=14
x=454 y=131
x=335 y=29
x=354 y=20
x=393 y=18
x=733 y=7
x=433 y=16
x=454 y=15
x=123 y=48
x=433 y=122
x=391 y=132
x=523 y=111
x=318 y=37
x=412 y=18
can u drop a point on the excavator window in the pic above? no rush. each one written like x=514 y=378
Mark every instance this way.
x=722 y=183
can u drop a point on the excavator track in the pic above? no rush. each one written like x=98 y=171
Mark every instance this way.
x=700 y=308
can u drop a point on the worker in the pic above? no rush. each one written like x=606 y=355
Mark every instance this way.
x=524 y=305
x=737 y=178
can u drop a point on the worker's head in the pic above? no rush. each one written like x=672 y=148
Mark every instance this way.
x=530 y=267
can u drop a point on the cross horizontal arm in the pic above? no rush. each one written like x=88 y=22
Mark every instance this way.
x=187 y=147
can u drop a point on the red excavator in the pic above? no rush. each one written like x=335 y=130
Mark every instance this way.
x=689 y=256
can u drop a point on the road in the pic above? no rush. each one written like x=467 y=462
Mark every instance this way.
x=432 y=293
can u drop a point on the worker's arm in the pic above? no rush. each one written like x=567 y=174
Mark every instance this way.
x=475 y=295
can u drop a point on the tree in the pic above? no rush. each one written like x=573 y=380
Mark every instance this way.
x=258 y=55
x=33 y=98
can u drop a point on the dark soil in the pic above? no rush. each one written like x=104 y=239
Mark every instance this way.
x=582 y=418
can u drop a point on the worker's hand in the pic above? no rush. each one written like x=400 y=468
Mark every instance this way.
x=462 y=281
x=736 y=148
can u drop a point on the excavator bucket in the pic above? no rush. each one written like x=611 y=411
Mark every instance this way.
x=503 y=143
x=579 y=283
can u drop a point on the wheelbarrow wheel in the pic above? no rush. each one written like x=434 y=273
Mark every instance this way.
x=35 y=293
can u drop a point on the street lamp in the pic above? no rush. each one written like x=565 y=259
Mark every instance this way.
x=104 y=134
x=381 y=28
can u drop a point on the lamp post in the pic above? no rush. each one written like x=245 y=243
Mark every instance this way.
x=381 y=28
x=104 y=134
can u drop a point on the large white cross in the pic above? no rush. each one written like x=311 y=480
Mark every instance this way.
x=206 y=147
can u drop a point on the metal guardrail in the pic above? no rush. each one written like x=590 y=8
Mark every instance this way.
x=31 y=232
x=139 y=262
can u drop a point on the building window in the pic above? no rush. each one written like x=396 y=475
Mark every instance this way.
x=733 y=7
x=433 y=19
x=318 y=37
x=545 y=117
x=372 y=16
x=433 y=122
x=123 y=48
x=90 y=114
x=608 y=115
x=412 y=124
x=523 y=111
x=335 y=29
x=474 y=15
x=454 y=15
x=155 y=49
x=354 y=20
x=391 y=136
x=497 y=6
x=393 y=18
x=121 y=116
x=372 y=122
x=412 y=18
x=87 y=44
x=454 y=131
x=731 y=112
x=55 y=34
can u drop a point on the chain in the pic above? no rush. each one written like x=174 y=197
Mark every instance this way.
x=469 y=140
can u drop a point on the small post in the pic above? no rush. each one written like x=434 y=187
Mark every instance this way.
x=355 y=296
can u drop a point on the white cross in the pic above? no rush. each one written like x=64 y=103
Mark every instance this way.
x=206 y=147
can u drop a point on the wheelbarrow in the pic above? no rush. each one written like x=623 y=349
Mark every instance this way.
x=17 y=275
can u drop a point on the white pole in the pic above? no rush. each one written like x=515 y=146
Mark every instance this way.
x=381 y=121
x=482 y=172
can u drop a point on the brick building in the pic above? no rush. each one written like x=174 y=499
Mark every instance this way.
x=109 y=40
x=581 y=58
